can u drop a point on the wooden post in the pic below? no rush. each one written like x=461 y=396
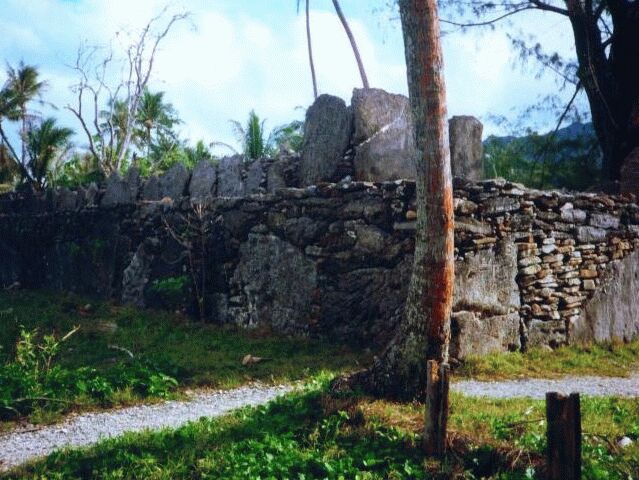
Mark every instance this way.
x=437 y=386
x=563 y=415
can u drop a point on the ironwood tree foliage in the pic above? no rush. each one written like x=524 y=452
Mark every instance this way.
x=606 y=64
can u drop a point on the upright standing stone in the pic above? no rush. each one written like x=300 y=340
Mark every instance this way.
x=327 y=134
x=203 y=181
x=174 y=181
x=466 y=150
x=118 y=192
x=383 y=138
x=229 y=177
x=254 y=177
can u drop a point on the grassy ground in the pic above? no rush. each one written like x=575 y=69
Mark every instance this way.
x=194 y=354
x=612 y=360
x=313 y=435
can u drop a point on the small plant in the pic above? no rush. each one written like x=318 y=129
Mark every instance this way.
x=192 y=232
x=27 y=378
x=32 y=382
x=170 y=292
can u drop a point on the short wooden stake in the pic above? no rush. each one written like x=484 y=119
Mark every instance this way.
x=563 y=415
x=437 y=387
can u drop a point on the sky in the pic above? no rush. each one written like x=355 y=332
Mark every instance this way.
x=233 y=56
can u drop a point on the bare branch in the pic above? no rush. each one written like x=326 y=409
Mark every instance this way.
x=109 y=136
x=487 y=22
x=539 y=5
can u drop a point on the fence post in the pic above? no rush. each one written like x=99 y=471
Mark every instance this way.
x=563 y=414
x=437 y=386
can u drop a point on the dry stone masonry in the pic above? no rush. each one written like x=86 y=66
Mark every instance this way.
x=534 y=268
x=296 y=245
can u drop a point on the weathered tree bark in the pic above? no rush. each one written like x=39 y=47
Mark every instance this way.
x=606 y=34
x=351 y=38
x=309 y=43
x=424 y=326
x=611 y=82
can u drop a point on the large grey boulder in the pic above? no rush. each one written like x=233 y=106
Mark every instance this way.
x=612 y=314
x=136 y=276
x=203 y=181
x=466 y=149
x=118 y=192
x=66 y=199
x=254 y=177
x=327 y=134
x=473 y=335
x=485 y=281
x=383 y=138
x=229 y=181
x=486 y=302
x=134 y=179
x=275 y=285
x=275 y=177
x=174 y=181
x=151 y=189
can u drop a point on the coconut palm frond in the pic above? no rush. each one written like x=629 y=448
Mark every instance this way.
x=46 y=143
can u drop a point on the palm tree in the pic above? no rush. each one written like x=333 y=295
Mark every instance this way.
x=154 y=113
x=256 y=144
x=22 y=86
x=45 y=143
x=252 y=138
x=8 y=169
x=351 y=39
x=309 y=45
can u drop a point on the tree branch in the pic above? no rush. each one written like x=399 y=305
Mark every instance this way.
x=487 y=22
x=539 y=5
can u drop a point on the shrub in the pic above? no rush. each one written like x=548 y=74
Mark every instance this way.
x=32 y=381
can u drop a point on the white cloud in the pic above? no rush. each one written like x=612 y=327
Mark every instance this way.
x=235 y=60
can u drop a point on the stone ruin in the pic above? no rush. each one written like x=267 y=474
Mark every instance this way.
x=322 y=244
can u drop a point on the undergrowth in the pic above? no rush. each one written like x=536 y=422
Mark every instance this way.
x=32 y=383
x=313 y=435
x=120 y=355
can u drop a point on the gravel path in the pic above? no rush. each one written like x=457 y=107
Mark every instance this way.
x=23 y=445
x=537 y=388
x=20 y=446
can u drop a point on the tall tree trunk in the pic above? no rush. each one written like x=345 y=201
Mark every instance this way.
x=310 y=48
x=611 y=82
x=351 y=38
x=430 y=296
x=424 y=326
x=624 y=63
x=23 y=138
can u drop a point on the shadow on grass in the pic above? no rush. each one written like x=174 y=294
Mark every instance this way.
x=303 y=436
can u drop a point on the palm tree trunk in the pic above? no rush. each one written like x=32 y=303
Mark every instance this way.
x=310 y=48
x=351 y=38
x=23 y=137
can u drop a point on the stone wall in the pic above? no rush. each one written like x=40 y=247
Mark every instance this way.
x=532 y=268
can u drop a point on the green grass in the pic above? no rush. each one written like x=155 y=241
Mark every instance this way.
x=195 y=354
x=312 y=435
x=612 y=360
